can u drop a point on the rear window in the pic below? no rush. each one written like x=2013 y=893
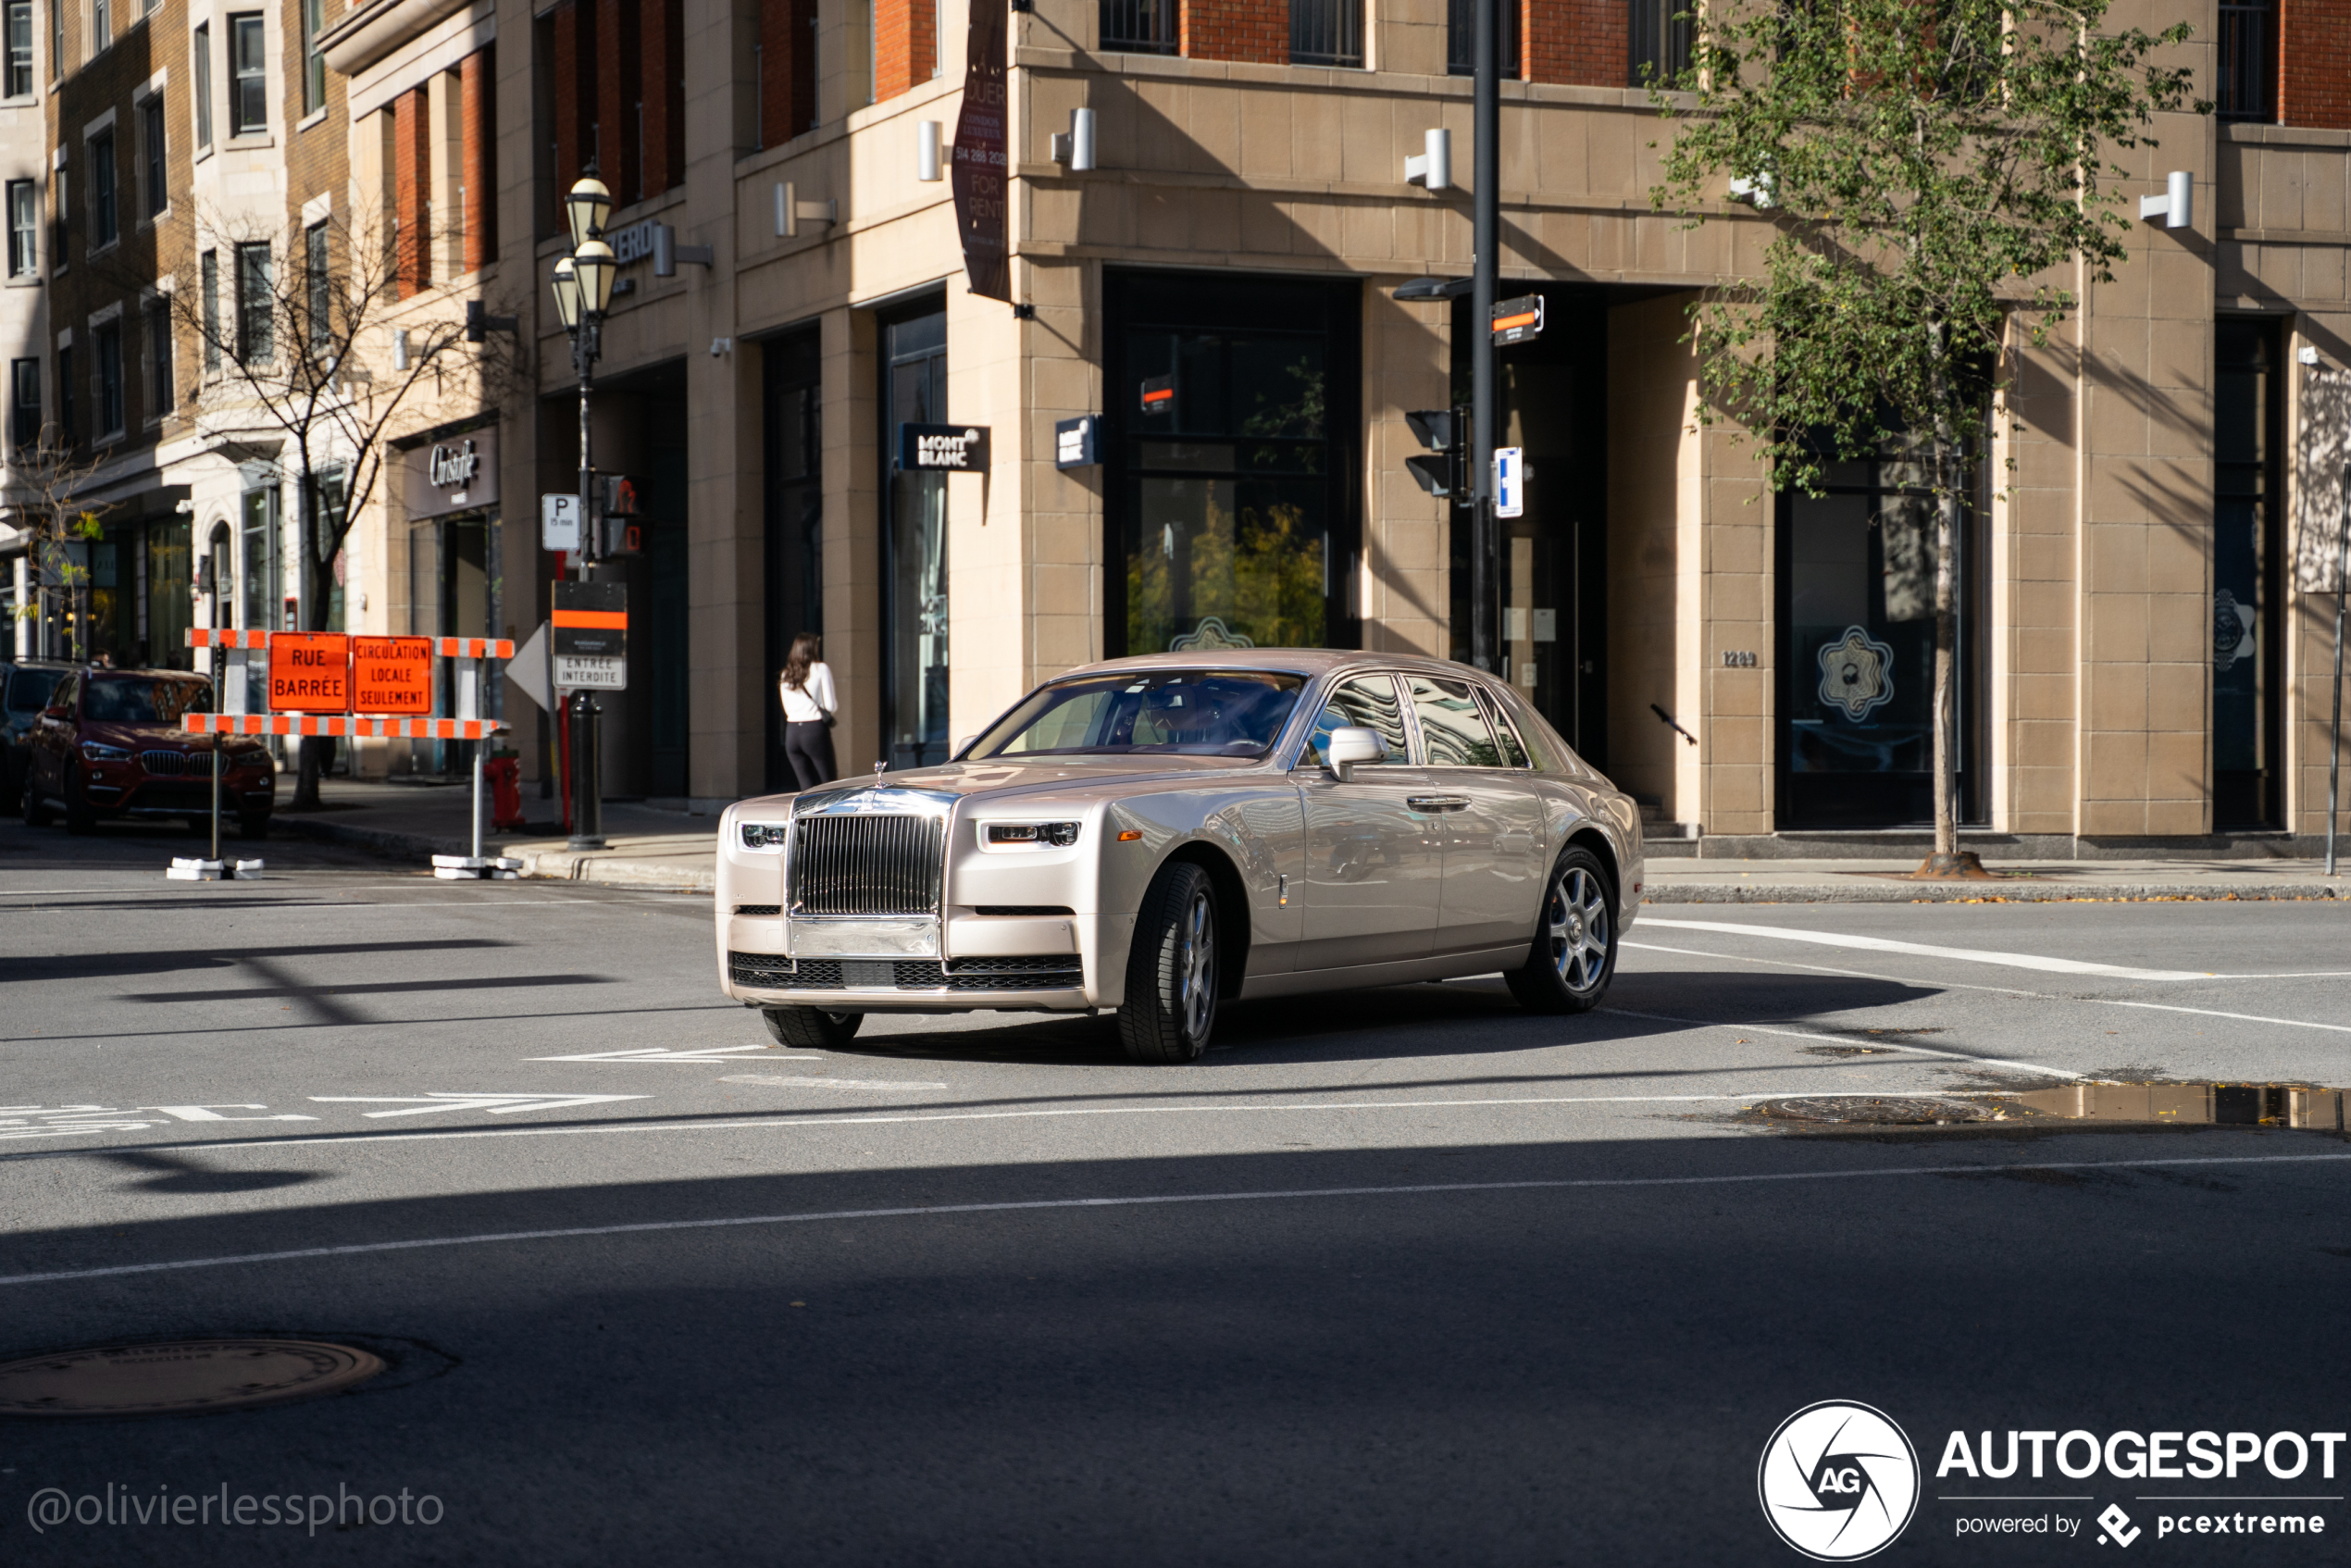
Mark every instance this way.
x=29 y=689
x=131 y=698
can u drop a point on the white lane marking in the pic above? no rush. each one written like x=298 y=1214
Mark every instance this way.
x=1928 y=950
x=707 y=1053
x=826 y=1083
x=1848 y=1039
x=782 y=1121
x=497 y=1104
x=572 y=1233
x=2007 y=991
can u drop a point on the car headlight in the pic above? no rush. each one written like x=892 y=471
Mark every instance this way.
x=257 y=757
x=1057 y=835
x=767 y=836
x=98 y=751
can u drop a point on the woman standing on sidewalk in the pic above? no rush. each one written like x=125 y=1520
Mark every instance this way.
x=809 y=705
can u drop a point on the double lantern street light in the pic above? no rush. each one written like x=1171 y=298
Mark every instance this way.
x=583 y=289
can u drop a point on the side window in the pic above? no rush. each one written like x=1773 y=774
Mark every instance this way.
x=1513 y=750
x=1452 y=726
x=68 y=690
x=1368 y=702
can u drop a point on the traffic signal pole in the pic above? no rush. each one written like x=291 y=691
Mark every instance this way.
x=1485 y=237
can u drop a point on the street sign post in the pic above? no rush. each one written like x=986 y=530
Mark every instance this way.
x=1518 y=320
x=590 y=628
x=575 y=673
x=1510 y=481
x=558 y=522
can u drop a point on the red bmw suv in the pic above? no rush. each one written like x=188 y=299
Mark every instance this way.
x=109 y=744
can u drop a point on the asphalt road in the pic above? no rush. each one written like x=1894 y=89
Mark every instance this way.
x=1393 y=1278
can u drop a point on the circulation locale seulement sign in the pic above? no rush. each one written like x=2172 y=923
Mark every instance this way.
x=391 y=674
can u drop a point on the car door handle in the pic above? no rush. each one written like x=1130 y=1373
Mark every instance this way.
x=1437 y=802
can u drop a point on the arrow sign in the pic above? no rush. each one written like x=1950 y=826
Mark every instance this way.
x=497 y=1104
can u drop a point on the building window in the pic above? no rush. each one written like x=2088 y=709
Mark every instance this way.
x=210 y=268
x=23 y=261
x=1139 y=27
x=61 y=222
x=101 y=25
x=24 y=403
x=107 y=341
x=66 y=424
x=103 y=226
x=56 y=38
x=19 y=49
x=2246 y=84
x=313 y=64
x=1461 y=39
x=161 y=394
x=1660 y=39
x=914 y=582
x=1326 y=32
x=2248 y=573
x=248 y=76
x=200 y=53
x=318 y=288
x=256 y=336
x=158 y=192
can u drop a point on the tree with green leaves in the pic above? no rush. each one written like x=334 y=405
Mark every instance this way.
x=44 y=494
x=1932 y=168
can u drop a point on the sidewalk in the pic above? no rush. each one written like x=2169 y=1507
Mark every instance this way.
x=668 y=849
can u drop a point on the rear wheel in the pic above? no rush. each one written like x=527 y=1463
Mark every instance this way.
x=80 y=815
x=812 y=1029
x=1172 y=971
x=1574 y=957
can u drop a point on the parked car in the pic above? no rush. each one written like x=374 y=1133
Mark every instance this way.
x=25 y=686
x=109 y=744
x=1159 y=835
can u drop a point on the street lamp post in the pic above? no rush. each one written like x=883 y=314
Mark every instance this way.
x=583 y=287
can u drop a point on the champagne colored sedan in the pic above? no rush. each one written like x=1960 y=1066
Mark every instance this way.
x=1156 y=836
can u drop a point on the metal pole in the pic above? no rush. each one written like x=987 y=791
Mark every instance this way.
x=587 y=809
x=2334 y=749
x=216 y=795
x=1485 y=175
x=479 y=746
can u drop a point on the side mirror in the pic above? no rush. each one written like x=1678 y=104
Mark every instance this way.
x=1347 y=747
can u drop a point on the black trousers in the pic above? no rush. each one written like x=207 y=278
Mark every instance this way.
x=809 y=748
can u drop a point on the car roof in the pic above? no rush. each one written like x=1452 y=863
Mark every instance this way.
x=1307 y=662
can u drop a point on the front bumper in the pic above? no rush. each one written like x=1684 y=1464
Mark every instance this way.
x=1055 y=982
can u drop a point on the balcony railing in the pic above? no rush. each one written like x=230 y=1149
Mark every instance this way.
x=1139 y=27
x=1326 y=32
x=2246 y=77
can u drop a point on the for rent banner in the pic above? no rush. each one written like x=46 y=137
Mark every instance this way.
x=979 y=166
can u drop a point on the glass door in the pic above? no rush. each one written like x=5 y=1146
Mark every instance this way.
x=913 y=548
x=2247 y=575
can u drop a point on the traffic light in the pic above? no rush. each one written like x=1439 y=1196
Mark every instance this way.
x=617 y=515
x=1443 y=470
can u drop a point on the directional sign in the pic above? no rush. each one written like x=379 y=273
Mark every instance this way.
x=495 y=1104
x=559 y=522
x=310 y=672
x=391 y=674
x=1518 y=320
x=590 y=620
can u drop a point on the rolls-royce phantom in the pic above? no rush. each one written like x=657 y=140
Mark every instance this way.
x=1155 y=836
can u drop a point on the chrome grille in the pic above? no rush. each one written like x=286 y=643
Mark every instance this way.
x=765 y=971
x=175 y=764
x=866 y=863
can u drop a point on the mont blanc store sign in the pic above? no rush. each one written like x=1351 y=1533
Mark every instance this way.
x=458 y=474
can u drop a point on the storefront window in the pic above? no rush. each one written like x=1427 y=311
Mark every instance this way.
x=1232 y=506
x=915 y=549
x=2247 y=577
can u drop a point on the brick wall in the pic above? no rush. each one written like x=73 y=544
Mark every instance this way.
x=412 y=188
x=478 y=133
x=906 y=45
x=1253 y=31
x=2314 y=67
x=575 y=95
x=618 y=38
x=1577 y=43
x=787 y=69
x=661 y=89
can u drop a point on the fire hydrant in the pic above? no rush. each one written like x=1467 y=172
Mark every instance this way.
x=504 y=774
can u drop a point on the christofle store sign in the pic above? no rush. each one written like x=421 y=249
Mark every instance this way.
x=458 y=474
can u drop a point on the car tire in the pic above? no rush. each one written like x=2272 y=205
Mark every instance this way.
x=80 y=815
x=254 y=826
x=812 y=1029
x=1172 y=970
x=35 y=805
x=1573 y=956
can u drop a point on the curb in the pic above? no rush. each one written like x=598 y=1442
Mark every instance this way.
x=556 y=866
x=1990 y=893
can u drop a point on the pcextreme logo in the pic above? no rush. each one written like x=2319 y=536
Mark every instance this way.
x=1838 y=1481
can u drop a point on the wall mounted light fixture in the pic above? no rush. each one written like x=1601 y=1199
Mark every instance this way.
x=2176 y=207
x=1433 y=166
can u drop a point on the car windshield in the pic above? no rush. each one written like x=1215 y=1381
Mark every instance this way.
x=29 y=689
x=1196 y=712
x=132 y=699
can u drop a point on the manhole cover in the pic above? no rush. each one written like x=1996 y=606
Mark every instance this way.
x=1897 y=1110
x=192 y=1374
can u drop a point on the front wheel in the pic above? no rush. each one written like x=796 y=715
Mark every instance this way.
x=812 y=1029
x=1171 y=972
x=1575 y=953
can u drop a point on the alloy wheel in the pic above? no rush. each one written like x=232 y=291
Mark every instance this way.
x=1195 y=967
x=1575 y=921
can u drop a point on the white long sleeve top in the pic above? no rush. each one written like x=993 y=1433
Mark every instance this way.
x=812 y=701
